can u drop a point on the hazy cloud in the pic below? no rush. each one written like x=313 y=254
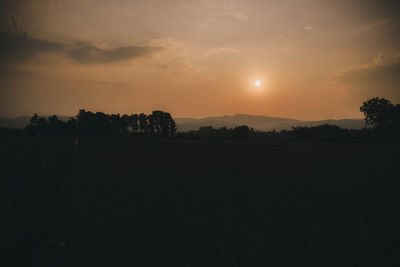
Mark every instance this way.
x=94 y=55
x=377 y=59
x=374 y=80
x=9 y=8
x=371 y=8
x=7 y=72
x=116 y=84
x=18 y=48
x=382 y=7
x=241 y=17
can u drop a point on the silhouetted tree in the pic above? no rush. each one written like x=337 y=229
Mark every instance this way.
x=33 y=129
x=72 y=125
x=383 y=116
x=34 y=119
x=162 y=123
x=51 y=127
x=116 y=124
x=143 y=126
x=86 y=123
x=378 y=112
x=38 y=125
x=55 y=126
x=134 y=122
x=125 y=124
x=151 y=124
x=242 y=131
x=172 y=126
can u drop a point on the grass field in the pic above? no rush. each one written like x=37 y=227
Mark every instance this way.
x=199 y=203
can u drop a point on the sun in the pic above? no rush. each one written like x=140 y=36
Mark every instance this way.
x=257 y=83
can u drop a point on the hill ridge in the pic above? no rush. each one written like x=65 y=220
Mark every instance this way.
x=262 y=123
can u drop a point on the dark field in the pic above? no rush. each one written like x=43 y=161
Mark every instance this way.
x=195 y=203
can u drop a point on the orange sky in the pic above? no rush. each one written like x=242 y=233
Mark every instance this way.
x=316 y=59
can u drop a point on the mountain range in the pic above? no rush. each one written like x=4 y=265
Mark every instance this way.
x=261 y=123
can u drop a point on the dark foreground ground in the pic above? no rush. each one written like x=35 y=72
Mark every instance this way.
x=186 y=203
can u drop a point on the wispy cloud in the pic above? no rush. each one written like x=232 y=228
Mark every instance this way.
x=375 y=79
x=94 y=55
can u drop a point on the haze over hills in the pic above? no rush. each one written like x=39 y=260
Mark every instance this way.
x=261 y=123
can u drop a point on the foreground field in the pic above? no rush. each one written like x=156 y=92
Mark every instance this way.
x=181 y=203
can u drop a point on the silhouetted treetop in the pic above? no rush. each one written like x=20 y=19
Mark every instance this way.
x=52 y=126
x=381 y=113
x=99 y=124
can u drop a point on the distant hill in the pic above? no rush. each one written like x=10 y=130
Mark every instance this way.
x=261 y=123
x=21 y=122
x=15 y=123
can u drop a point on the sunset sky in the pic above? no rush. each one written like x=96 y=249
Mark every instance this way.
x=315 y=59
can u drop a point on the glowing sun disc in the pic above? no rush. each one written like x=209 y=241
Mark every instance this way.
x=257 y=83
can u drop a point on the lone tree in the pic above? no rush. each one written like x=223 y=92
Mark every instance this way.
x=381 y=113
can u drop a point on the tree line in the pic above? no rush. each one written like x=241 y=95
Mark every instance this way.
x=99 y=124
x=382 y=119
x=322 y=133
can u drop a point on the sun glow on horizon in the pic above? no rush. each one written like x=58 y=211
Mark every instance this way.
x=257 y=83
